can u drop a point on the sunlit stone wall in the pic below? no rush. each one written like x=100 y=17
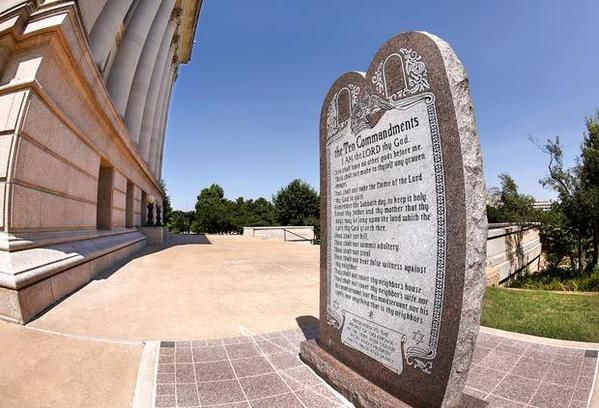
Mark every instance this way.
x=512 y=250
x=85 y=88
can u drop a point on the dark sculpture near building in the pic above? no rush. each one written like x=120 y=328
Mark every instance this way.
x=158 y=213
x=150 y=218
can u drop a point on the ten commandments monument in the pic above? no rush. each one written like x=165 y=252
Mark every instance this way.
x=404 y=228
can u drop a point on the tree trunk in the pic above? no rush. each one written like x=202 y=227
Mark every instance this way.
x=595 y=250
x=580 y=256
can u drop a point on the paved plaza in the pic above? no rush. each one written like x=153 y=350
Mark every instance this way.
x=265 y=371
x=197 y=288
x=220 y=320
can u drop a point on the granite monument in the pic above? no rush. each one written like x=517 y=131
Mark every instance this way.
x=403 y=229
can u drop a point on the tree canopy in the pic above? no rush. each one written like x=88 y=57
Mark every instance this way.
x=507 y=204
x=213 y=211
x=297 y=204
x=166 y=203
x=180 y=222
x=573 y=230
x=215 y=214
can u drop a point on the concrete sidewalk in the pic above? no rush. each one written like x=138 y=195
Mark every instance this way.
x=196 y=288
x=39 y=369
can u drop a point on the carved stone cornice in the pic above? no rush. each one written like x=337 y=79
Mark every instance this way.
x=175 y=43
x=176 y=15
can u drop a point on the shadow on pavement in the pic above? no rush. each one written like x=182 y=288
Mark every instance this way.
x=174 y=240
x=187 y=239
x=310 y=326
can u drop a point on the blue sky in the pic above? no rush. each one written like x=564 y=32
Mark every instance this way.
x=245 y=110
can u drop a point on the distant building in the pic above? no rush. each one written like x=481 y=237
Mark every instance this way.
x=493 y=196
x=543 y=205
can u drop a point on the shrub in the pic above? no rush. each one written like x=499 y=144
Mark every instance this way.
x=561 y=279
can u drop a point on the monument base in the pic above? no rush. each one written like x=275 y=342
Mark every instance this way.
x=358 y=390
x=156 y=235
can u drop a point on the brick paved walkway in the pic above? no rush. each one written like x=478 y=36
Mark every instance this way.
x=265 y=371
x=253 y=371
x=515 y=373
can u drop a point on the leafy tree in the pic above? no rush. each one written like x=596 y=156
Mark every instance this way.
x=167 y=209
x=264 y=213
x=213 y=211
x=239 y=214
x=493 y=200
x=298 y=204
x=578 y=190
x=246 y=213
x=216 y=214
x=181 y=221
x=493 y=214
x=515 y=207
x=569 y=222
x=556 y=241
x=589 y=184
x=509 y=205
x=259 y=212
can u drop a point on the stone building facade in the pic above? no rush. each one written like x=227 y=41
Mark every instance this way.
x=85 y=88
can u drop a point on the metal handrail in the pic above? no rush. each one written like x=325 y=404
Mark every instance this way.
x=285 y=231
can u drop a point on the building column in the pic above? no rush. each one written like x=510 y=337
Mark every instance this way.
x=90 y=11
x=162 y=64
x=143 y=74
x=157 y=131
x=105 y=28
x=163 y=123
x=123 y=68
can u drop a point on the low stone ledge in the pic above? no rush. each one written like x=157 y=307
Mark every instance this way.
x=37 y=278
x=156 y=235
x=18 y=241
x=23 y=268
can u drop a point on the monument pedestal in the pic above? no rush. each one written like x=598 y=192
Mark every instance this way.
x=357 y=389
x=156 y=235
x=354 y=387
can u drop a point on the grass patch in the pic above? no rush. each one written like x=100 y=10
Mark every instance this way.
x=541 y=313
x=558 y=279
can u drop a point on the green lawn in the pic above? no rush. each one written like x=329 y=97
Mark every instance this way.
x=542 y=313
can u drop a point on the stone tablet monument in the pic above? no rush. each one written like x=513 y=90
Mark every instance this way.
x=403 y=229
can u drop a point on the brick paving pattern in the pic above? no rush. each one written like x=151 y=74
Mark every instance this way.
x=264 y=371
x=511 y=373
x=240 y=372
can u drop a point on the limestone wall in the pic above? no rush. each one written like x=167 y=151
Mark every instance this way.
x=303 y=234
x=512 y=249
